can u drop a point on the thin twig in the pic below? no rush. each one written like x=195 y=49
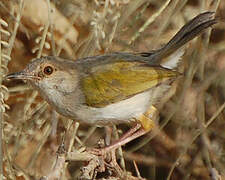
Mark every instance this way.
x=195 y=137
x=44 y=34
x=149 y=21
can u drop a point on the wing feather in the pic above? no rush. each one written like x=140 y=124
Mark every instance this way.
x=114 y=82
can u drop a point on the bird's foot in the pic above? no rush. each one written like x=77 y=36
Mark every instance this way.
x=97 y=151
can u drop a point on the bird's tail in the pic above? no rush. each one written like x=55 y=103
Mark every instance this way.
x=189 y=31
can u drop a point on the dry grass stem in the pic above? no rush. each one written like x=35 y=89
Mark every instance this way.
x=38 y=143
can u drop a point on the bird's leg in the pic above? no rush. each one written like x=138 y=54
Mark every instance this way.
x=126 y=139
x=145 y=125
x=108 y=135
x=131 y=131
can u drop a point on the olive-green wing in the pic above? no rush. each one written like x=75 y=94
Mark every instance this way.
x=114 y=82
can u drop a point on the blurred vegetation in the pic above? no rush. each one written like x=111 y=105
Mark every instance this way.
x=189 y=139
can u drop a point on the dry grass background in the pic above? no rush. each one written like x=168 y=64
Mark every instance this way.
x=189 y=140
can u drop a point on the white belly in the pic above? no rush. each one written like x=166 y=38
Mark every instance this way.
x=122 y=111
x=130 y=108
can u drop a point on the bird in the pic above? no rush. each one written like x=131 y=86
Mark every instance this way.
x=119 y=87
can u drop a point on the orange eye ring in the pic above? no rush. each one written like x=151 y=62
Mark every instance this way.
x=48 y=70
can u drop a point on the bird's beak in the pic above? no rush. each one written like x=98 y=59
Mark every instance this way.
x=21 y=75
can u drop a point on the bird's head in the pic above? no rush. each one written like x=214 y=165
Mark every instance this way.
x=49 y=73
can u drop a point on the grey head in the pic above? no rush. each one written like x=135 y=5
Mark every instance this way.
x=49 y=74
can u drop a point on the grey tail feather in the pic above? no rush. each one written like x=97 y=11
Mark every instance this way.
x=189 y=31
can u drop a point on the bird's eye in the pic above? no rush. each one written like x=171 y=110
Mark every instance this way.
x=48 y=70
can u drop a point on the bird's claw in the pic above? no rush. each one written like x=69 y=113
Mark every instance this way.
x=97 y=151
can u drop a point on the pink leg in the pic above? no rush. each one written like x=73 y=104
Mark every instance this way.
x=145 y=125
x=125 y=139
x=131 y=131
x=132 y=134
